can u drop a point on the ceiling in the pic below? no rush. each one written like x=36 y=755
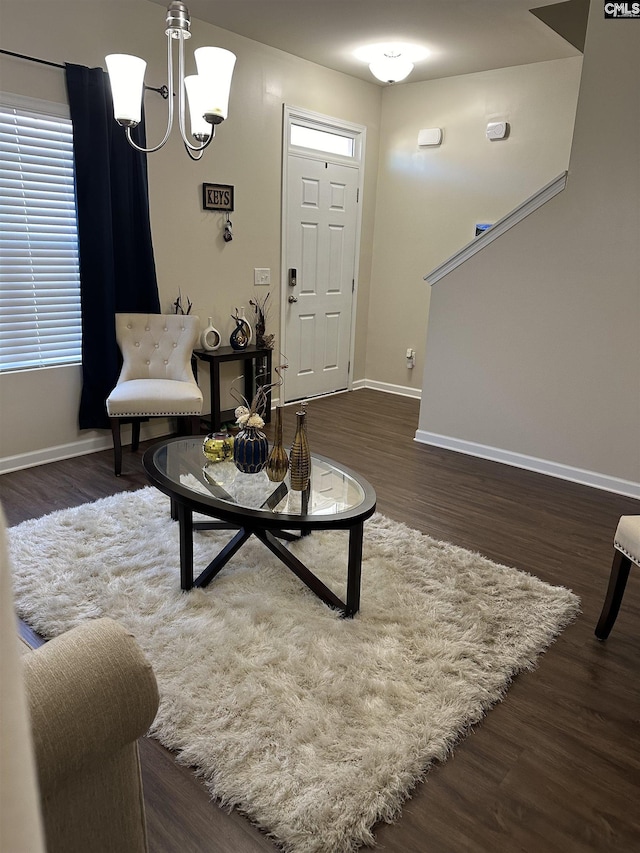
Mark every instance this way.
x=464 y=36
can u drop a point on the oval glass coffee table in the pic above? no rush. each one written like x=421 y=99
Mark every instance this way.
x=336 y=499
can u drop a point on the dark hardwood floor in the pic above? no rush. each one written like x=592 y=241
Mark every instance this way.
x=556 y=765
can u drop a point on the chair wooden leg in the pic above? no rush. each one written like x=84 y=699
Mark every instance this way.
x=117 y=445
x=617 y=582
x=194 y=424
x=135 y=434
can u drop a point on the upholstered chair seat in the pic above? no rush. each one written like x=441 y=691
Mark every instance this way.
x=156 y=379
x=146 y=397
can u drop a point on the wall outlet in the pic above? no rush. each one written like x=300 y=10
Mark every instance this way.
x=261 y=277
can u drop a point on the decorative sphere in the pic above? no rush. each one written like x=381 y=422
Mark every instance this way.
x=218 y=446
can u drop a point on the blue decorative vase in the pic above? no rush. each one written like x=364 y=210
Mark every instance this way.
x=250 y=450
x=239 y=337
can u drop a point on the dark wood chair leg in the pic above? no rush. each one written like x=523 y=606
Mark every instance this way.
x=194 y=424
x=117 y=445
x=135 y=435
x=617 y=582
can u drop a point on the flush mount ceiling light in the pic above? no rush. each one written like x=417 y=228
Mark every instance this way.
x=391 y=68
x=391 y=63
x=207 y=91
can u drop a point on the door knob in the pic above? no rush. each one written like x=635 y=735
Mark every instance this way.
x=293 y=298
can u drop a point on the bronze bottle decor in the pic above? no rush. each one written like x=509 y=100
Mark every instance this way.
x=278 y=461
x=300 y=458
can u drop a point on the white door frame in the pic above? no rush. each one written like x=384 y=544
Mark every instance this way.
x=297 y=115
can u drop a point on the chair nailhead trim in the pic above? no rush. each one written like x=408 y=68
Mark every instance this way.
x=151 y=414
x=632 y=557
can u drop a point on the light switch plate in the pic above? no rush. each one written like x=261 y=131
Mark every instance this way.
x=261 y=277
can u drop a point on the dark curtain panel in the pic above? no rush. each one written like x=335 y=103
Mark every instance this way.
x=117 y=268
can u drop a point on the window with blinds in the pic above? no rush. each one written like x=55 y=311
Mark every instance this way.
x=39 y=273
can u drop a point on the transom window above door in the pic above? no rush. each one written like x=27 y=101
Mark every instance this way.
x=322 y=140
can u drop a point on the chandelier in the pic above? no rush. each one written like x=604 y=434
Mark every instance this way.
x=207 y=91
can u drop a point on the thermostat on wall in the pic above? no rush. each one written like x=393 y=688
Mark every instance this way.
x=497 y=129
x=429 y=136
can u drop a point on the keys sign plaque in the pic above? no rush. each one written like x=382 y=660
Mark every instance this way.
x=217 y=197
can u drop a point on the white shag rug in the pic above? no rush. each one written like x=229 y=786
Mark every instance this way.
x=314 y=726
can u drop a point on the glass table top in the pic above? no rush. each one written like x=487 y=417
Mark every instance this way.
x=333 y=490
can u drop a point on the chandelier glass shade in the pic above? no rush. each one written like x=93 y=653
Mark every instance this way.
x=126 y=75
x=207 y=91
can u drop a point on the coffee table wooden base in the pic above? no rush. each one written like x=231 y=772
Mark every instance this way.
x=184 y=516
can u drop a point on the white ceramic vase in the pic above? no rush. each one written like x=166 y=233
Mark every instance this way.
x=210 y=337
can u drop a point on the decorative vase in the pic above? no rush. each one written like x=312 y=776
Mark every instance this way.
x=250 y=450
x=239 y=338
x=278 y=461
x=246 y=324
x=210 y=338
x=218 y=446
x=300 y=457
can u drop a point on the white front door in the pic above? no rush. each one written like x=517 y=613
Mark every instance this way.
x=321 y=228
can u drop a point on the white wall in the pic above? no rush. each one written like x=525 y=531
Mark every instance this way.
x=533 y=347
x=430 y=199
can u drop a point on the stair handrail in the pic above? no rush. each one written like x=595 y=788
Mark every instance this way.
x=542 y=196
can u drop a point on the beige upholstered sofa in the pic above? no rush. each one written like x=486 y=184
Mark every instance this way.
x=71 y=714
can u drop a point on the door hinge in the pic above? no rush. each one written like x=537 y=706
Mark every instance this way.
x=357 y=195
x=353 y=285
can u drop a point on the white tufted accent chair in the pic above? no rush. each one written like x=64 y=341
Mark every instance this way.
x=626 y=543
x=156 y=379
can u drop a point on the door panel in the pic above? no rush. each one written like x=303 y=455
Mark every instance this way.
x=332 y=342
x=305 y=340
x=308 y=266
x=336 y=259
x=321 y=242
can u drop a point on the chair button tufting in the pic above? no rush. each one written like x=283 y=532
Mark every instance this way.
x=137 y=343
x=128 y=325
x=148 y=362
x=166 y=361
x=146 y=328
x=157 y=346
x=175 y=345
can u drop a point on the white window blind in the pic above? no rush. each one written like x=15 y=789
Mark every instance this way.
x=40 y=321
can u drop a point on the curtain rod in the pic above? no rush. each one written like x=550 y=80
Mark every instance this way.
x=32 y=58
x=161 y=90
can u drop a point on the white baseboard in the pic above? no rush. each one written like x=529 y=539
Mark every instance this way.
x=156 y=428
x=531 y=463
x=388 y=388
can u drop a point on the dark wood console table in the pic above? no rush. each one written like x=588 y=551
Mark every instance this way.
x=252 y=375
